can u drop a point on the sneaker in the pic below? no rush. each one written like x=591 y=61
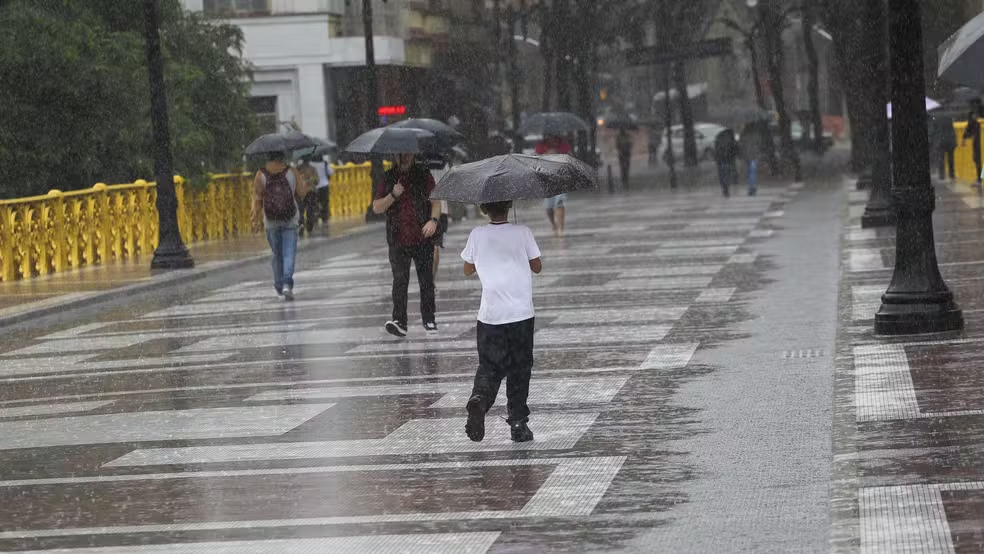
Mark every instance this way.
x=430 y=327
x=396 y=329
x=288 y=294
x=520 y=432
x=280 y=293
x=475 y=427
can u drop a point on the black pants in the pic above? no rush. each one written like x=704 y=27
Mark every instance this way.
x=944 y=162
x=422 y=257
x=308 y=212
x=323 y=206
x=505 y=352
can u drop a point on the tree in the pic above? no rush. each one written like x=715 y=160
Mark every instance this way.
x=809 y=8
x=76 y=112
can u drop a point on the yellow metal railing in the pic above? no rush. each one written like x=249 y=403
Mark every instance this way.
x=104 y=224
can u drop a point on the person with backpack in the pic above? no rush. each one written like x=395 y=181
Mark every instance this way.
x=277 y=191
x=726 y=152
x=412 y=221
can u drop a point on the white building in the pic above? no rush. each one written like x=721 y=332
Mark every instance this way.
x=297 y=49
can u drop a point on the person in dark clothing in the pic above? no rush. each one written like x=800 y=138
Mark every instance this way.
x=623 y=142
x=944 y=142
x=411 y=222
x=726 y=152
x=973 y=132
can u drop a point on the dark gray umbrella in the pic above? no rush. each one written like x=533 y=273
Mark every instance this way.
x=280 y=142
x=389 y=140
x=551 y=124
x=621 y=122
x=514 y=177
x=446 y=135
x=962 y=55
x=323 y=147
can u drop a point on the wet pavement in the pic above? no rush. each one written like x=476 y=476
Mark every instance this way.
x=681 y=399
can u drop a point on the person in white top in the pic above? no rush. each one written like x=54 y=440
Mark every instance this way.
x=505 y=256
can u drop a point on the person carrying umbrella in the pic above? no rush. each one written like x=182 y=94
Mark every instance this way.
x=973 y=132
x=412 y=220
x=505 y=256
x=623 y=143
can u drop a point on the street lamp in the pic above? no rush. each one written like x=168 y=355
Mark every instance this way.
x=171 y=252
x=878 y=212
x=918 y=300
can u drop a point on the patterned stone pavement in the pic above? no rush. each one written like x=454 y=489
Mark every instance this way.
x=908 y=444
x=681 y=400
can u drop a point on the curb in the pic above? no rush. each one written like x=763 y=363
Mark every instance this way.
x=74 y=301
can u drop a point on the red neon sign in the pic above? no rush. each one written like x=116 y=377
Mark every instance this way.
x=392 y=110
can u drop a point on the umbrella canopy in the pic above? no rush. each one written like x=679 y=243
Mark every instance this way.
x=619 y=123
x=323 y=148
x=446 y=135
x=514 y=177
x=389 y=140
x=962 y=55
x=280 y=142
x=930 y=105
x=552 y=124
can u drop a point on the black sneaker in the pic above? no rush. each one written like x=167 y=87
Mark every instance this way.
x=430 y=327
x=520 y=432
x=396 y=329
x=475 y=427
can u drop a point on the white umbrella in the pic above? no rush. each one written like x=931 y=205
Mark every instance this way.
x=930 y=105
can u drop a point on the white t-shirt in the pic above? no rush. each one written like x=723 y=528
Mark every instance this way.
x=324 y=172
x=501 y=254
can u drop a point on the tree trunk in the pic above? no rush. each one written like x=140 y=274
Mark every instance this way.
x=563 y=54
x=775 y=59
x=686 y=115
x=756 y=77
x=548 y=70
x=813 y=88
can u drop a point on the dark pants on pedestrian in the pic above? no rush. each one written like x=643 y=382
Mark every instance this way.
x=323 y=206
x=423 y=257
x=308 y=212
x=505 y=352
x=945 y=162
x=727 y=175
x=624 y=163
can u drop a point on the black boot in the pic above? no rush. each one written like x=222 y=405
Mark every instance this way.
x=475 y=427
x=520 y=432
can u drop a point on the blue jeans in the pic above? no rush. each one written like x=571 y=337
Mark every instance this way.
x=752 y=176
x=283 y=243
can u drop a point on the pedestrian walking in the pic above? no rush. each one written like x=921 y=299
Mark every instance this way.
x=556 y=206
x=623 y=143
x=655 y=139
x=505 y=256
x=309 y=202
x=973 y=132
x=726 y=153
x=752 y=145
x=443 y=224
x=277 y=190
x=322 y=192
x=412 y=220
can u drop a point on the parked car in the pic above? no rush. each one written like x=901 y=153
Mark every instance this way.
x=704 y=133
x=797 y=133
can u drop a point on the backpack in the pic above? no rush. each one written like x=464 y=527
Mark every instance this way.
x=278 y=197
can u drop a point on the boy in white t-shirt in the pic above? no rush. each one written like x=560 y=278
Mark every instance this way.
x=505 y=256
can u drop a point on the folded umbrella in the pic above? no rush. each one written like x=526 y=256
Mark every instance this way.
x=389 y=140
x=280 y=142
x=549 y=124
x=962 y=55
x=514 y=177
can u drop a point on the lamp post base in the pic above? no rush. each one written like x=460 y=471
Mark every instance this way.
x=175 y=258
x=916 y=314
x=864 y=182
x=877 y=216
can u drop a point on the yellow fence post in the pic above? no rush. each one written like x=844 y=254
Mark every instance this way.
x=103 y=224
x=7 y=271
x=59 y=238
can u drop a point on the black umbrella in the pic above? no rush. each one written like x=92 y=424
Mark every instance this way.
x=280 y=142
x=551 y=124
x=962 y=54
x=388 y=140
x=514 y=177
x=621 y=122
x=446 y=135
x=323 y=148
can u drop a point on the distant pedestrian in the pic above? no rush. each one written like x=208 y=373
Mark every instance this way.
x=277 y=190
x=623 y=143
x=325 y=173
x=726 y=154
x=655 y=139
x=556 y=206
x=412 y=220
x=309 y=203
x=752 y=145
x=505 y=256
x=443 y=226
x=943 y=141
x=973 y=132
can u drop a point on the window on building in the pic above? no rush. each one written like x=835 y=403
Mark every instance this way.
x=236 y=7
x=265 y=108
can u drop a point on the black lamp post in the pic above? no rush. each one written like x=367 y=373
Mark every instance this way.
x=171 y=252
x=917 y=300
x=878 y=212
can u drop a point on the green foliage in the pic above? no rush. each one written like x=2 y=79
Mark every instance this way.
x=76 y=103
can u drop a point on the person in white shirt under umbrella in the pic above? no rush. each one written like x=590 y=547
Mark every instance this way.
x=505 y=257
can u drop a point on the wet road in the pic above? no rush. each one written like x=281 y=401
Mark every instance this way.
x=681 y=399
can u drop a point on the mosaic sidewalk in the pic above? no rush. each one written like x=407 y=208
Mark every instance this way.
x=680 y=399
x=908 y=441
